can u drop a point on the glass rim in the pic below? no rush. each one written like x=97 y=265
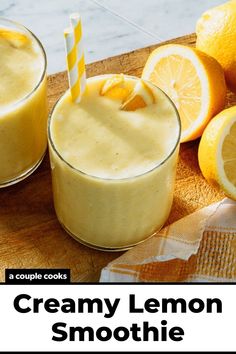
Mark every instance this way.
x=20 y=26
x=51 y=143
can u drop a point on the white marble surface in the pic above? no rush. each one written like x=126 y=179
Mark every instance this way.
x=105 y=33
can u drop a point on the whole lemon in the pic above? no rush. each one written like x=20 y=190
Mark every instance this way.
x=216 y=36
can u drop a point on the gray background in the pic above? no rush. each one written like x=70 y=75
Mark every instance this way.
x=105 y=32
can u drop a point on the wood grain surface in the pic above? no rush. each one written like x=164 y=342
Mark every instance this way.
x=30 y=235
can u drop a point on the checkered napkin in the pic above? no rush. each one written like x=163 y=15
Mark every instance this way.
x=199 y=247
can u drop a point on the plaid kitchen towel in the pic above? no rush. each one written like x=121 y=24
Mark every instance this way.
x=199 y=247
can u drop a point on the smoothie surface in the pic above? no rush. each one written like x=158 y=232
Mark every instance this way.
x=21 y=66
x=98 y=138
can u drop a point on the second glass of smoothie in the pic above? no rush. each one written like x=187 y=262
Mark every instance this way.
x=23 y=102
x=113 y=170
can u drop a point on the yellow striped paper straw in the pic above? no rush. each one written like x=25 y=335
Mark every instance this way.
x=75 y=58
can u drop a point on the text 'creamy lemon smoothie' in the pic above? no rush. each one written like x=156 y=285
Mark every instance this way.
x=113 y=158
x=23 y=107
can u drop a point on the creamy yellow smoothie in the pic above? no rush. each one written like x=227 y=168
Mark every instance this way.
x=113 y=170
x=23 y=104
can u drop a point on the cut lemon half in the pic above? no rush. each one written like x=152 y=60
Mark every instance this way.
x=16 y=39
x=217 y=152
x=141 y=96
x=115 y=88
x=193 y=80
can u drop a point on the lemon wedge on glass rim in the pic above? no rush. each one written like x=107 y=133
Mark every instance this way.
x=141 y=96
x=116 y=88
x=15 y=39
x=217 y=152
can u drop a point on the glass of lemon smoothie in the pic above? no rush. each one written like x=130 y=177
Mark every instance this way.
x=23 y=104
x=113 y=159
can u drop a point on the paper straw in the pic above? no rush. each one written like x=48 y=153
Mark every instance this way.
x=75 y=58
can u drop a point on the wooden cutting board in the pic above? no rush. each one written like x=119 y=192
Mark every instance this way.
x=30 y=235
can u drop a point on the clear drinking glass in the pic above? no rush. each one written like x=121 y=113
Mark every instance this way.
x=23 y=124
x=112 y=214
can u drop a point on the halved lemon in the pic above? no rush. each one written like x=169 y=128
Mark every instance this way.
x=217 y=152
x=140 y=97
x=16 y=39
x=193 y=80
